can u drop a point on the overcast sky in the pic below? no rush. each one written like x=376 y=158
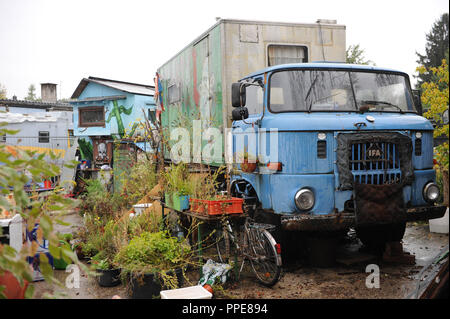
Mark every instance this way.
x=62 y=41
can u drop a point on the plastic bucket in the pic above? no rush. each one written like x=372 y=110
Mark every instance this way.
x=168 y=200
x=180 y=202
x=139 y=208
x=148 y=287
x=109 y=277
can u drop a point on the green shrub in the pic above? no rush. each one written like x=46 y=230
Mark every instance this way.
x=153 y=253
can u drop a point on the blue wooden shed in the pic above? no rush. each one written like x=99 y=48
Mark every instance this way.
x=105 y=110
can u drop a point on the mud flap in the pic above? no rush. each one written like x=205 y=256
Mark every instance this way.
x=379 y=204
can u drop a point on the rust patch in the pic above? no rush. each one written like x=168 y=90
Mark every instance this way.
x=379 y=204
x=332 y=222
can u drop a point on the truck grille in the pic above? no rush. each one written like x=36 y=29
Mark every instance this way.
x=375 y=163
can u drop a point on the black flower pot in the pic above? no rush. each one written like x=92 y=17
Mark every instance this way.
x=109 y=278
x=149 y=286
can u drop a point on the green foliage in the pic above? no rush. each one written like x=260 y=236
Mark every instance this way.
x=2 y=92
x=97 y=200
x=435 y=95
x=85 y=149
x=176 y=178
x=100 y=261
x=139 y=182
x=355 y=55
x=31 y=93
x=204 y=186
x=17 y=168
x=155 y=252
x=436 y=48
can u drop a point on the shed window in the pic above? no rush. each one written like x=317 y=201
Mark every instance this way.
x=44 y=136
x=152 y=116
x=173 y=93
x=91 y=116
x=281 y=54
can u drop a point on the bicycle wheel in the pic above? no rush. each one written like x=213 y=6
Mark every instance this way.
x=225 y=247
x=264 y=257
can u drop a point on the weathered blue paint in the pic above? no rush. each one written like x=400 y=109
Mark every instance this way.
x=297 y=149
x=137 y=102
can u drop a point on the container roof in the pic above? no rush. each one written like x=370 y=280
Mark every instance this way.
x=135 y=88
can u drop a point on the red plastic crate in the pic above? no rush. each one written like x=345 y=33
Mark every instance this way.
x=217 y=207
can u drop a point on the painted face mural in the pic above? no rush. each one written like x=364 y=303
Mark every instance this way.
x=102 y=154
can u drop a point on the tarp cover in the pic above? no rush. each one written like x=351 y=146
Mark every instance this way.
x=379 y=204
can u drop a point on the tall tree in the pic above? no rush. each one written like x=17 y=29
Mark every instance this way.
x=435 y=50
x=355 y=55
x=2 y=92
x=31 y=93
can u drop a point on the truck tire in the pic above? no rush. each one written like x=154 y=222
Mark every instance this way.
x=375 y=238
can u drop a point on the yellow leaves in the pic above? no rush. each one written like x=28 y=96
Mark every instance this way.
x=435 y=95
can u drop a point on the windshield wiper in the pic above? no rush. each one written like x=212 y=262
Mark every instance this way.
x=309 y=91
x=382 y=103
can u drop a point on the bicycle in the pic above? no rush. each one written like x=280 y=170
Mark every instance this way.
x=254 y=243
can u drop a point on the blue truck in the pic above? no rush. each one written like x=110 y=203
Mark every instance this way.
x=312 y=147
x=337 y=146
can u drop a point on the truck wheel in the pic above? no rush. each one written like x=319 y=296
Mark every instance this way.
x=376 y=237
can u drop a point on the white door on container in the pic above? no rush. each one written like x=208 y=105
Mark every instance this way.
x=202 y=89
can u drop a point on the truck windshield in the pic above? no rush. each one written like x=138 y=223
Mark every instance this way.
x=336 y=90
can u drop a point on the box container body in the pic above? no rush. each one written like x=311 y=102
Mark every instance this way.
x=196 y=82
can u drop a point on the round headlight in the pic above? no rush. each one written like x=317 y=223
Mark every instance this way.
x=431 y=192
x=321 y=136
x=418 y=135
x=304 y=199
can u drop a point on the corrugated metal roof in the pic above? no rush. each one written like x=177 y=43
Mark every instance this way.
x=135 y=88
x=32 y=117
x=36 y=104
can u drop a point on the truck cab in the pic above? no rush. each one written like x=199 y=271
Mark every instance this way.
x=336 y=146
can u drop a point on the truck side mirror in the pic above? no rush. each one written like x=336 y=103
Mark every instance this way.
x=417 y=101
x=239 y=113
x=237 y=94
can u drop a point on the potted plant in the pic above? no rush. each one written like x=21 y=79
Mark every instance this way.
x=177 y=187
x=109 y=276
x=153 y=261
x=248 y=162
x=105 y=244
x=58 y=261
x=12 y=288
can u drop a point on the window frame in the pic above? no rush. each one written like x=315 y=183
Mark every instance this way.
x=91 y=109
x=44 y=137
x=399 y=73
x=304 y=46
x=174 y=87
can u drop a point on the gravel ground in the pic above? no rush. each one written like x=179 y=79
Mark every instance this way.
x=299 y=281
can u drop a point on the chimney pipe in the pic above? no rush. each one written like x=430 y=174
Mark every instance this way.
x=48 y=92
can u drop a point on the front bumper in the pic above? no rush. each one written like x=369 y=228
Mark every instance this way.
x=344 y=220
